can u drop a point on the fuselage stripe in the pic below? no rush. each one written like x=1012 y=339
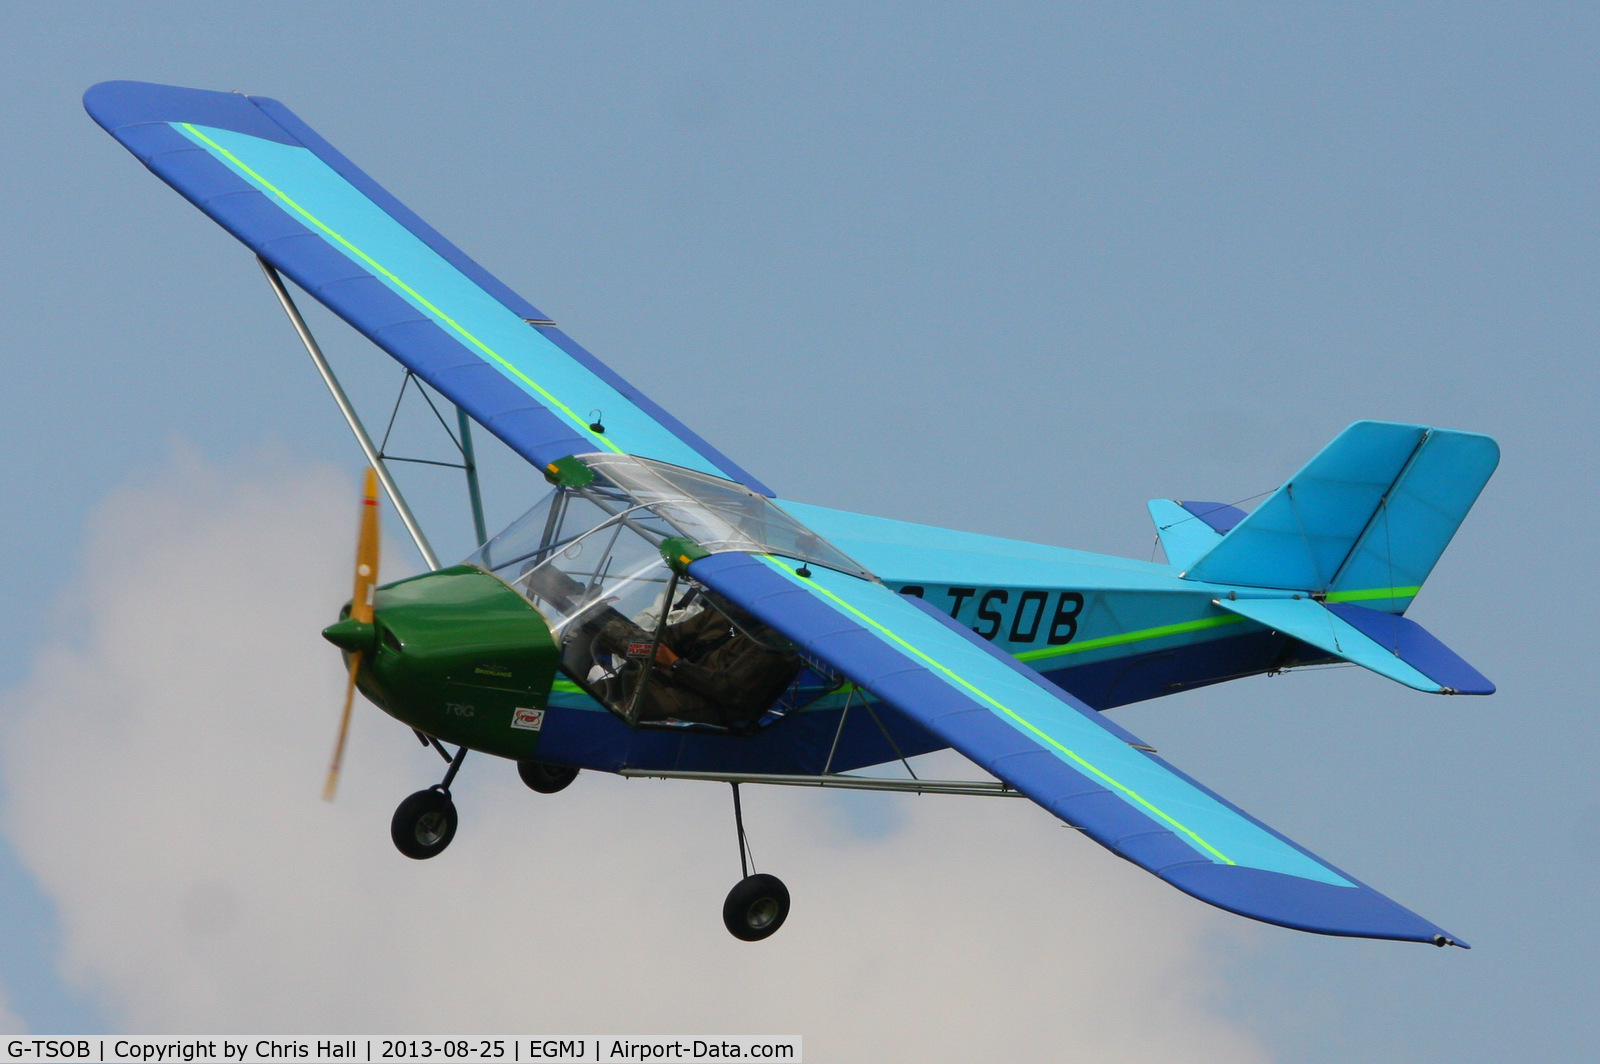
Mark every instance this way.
x=1184 y=627
x=1142 y=634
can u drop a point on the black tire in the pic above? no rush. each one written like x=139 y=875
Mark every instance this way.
x=544 y=777
x=756 y=907
x=424 y=824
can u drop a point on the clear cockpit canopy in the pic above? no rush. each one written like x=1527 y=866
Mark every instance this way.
x=589 y=559
x=650 y=501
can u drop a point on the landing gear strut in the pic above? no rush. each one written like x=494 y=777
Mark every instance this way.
x=425 y=822
x=758 y=904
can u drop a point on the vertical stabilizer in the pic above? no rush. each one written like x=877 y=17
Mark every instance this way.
x=1363 y=521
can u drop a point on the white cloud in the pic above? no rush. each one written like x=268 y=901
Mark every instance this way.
x=164 y=766
x=10 y=1022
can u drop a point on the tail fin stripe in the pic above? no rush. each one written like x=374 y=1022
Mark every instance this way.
x=1367 y=594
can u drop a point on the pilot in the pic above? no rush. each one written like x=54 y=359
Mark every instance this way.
x=709 y=670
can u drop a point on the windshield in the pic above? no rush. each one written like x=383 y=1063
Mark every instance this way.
x=645 y=643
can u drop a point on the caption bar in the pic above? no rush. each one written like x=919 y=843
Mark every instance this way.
x=368 y=1050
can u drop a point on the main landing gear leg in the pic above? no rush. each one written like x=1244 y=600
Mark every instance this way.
x=425 y=822
x=758 y=904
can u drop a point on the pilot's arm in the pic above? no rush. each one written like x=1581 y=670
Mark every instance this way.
x=738 y=673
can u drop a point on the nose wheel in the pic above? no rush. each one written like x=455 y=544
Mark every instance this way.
x=424 y=824
x=759 y=903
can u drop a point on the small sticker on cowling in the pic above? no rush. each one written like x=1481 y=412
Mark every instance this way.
x=527 y=719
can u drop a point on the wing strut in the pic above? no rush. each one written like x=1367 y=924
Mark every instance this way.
x=373 y=457
x=470 y=460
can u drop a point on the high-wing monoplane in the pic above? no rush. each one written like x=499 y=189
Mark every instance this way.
x=661 y=612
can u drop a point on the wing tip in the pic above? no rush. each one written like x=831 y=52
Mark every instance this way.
x=118 y=104
x=1355 y=911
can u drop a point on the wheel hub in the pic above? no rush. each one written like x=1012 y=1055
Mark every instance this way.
x=761 y=913
x=431 y=828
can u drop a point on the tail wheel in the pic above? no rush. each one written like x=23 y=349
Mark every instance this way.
x=544 y=777
x=424 y=824
x=756 y=907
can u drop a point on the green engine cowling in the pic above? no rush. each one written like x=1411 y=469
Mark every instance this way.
x=459 y=655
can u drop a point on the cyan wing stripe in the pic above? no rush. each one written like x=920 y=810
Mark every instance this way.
x=309 y=190
x=142 y=116
x=491 y=284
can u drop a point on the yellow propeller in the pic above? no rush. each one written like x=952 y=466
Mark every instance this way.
x=360 y=610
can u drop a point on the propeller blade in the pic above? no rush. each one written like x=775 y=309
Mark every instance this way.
x=360 y=610
x=332 y=782
x=366 y=551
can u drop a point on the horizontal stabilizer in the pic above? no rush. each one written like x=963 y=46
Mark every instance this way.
x=1387 y=644
x=1190 y=529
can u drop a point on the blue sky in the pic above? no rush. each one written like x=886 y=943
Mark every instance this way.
x=1011 y=269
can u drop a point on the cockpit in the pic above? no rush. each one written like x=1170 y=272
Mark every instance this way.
x=638 y=635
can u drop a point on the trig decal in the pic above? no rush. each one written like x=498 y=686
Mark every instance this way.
x=527 y=719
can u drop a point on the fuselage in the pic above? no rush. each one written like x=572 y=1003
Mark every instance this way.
x=1109 y=630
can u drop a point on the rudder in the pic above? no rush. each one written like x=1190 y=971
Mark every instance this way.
x=1188 y=530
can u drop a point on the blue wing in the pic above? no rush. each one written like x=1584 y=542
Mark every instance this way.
x=267 y=178
x=1056 y=750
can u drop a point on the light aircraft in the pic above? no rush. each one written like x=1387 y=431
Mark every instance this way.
x=662 y=613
